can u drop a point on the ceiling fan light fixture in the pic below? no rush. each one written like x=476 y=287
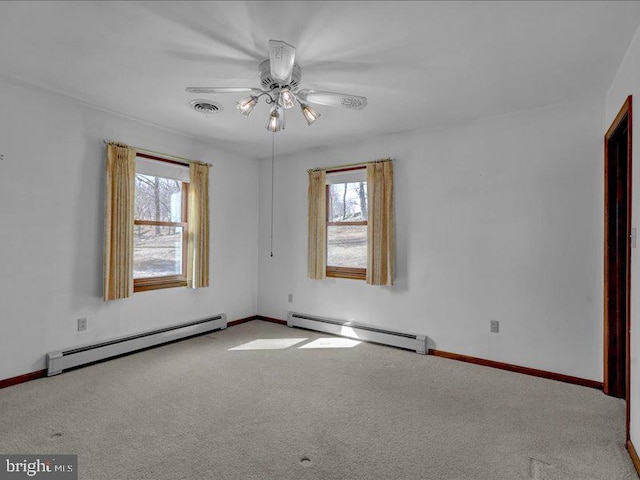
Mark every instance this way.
x=310 y=115
x=286 y=98
x=245 y=106
x=280 y=78
x=275 y=122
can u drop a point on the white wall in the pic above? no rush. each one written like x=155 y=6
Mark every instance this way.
x=496 y=219
x=500 y=219
x=51 y=230
x=625 y=83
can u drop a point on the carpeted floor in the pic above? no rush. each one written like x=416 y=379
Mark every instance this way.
x=196 y=410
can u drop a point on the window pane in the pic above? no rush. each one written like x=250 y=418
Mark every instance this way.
x=348 y=202
x=347 y=246
x=157 y=251
x=158 y=199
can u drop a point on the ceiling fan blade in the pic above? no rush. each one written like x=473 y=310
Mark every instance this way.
x=219 y=60
x=282 y=56
x=222 y=90
x=333 y=99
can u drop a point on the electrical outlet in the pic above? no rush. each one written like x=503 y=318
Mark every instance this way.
x=495 y=326
x=291 y=298
x=82 y=324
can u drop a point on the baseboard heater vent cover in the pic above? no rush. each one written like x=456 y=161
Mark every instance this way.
x=359 y=332
x=74 y=357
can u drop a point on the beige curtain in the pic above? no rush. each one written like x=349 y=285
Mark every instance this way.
x=380 y=229
x=198 y=255
x=317 y=225
x=118 y=222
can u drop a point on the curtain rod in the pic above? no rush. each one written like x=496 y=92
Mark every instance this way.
x=334 y=167
x=188 y=160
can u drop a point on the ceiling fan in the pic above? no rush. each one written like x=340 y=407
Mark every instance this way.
x=280 y=80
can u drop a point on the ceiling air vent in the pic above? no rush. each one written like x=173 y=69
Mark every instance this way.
x=206 y=107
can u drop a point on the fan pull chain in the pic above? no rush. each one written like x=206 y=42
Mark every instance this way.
x=273 y=140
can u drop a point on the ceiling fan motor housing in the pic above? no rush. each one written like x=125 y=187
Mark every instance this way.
x=268 y=83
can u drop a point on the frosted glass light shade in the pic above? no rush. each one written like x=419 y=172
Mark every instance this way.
x=287 y=99
x=275 y=122
x=245 y=106
x=310 y=115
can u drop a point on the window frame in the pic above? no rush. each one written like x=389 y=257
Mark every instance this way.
x=352 y=273
x=167 y=281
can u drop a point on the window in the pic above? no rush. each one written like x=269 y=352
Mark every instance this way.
x=156 y=222
x=347 y=223
x=341 y=241
x=160 y=224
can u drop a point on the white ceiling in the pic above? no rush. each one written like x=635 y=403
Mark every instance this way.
x=420 y=64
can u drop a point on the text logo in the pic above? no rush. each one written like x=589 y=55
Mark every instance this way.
x=38 y=467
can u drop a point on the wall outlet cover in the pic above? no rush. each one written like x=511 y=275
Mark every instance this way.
x=82 y=324
x=495 y=326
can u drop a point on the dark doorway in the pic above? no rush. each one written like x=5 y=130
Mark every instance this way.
x=617 y=253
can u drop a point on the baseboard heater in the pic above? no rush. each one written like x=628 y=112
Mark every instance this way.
x=359 y=332
x=74 y=357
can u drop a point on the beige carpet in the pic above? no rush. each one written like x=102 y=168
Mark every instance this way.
x=198 y=410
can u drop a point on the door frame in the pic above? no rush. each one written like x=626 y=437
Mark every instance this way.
x=623 y=116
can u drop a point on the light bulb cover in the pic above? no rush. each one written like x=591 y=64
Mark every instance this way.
x=286 y=99
x=245 y=106
x=275 y=122
x=310 y=115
